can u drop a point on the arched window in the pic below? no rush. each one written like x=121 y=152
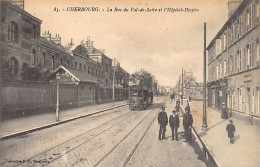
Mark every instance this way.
x=34 y=31
x=13 y=32
x=53 y=62
x=34 y=57
x=44 y=59
x=13 y=66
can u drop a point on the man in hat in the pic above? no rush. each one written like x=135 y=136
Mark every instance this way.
x=224 y=114
x=231 y=130
x=163 y=121
x=187 y=124
x=174 y=124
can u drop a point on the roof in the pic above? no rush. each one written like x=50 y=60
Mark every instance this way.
x=76 y=75
x=19 y=9
x=236 y=12
x=50 y=44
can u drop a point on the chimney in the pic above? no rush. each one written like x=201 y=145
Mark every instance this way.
x=47 y=35
x=89 y=45
x=71 y=42
x=56 y=39
x=232 y=6
x=19 y=3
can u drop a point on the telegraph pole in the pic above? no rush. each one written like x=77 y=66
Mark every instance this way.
x=114 y=82
x=182 y=87
x=204 y=124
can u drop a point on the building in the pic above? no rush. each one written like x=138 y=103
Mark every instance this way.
x=29 y=59
x=191 y=88
x=234 y=63
x=121 y=82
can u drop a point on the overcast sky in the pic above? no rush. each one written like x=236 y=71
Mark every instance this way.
x=160 y=42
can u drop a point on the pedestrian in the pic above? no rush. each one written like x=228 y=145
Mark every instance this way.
x=187 y=124
x=188 y=106
x=231 y=130
x=163 y=121
x=224 y=114
x=178 y=102
x=174 y=124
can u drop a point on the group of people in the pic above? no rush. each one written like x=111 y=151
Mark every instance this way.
x=174 y=122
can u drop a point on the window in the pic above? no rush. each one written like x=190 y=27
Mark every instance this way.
x=218 y=46
x=249 y=17
x=224 y=42
x=225 y=67
x=61 y=61
x=96 y=73
x=34 y=57
x=217 y=71
x=52 y=62
x=84 y=68
x=257 y=51
x=249 y=55
x=44 y=59
x=106 y=82
x=79 y=66
x=13 y=32
x=240 y=27
x=88 y=70
x=34 y=31
x=257 y=10
x=240 y=59
x=13 y=65
x=92 y=71
x=75 y=65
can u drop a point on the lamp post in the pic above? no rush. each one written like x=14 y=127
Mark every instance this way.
x=204 y=124
x=114 y=71
x=58 y=76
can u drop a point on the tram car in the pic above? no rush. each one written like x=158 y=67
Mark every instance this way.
x=140 y=93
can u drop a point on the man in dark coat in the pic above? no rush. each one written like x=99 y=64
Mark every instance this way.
x=231 y=130
x=174 y=124
x=163 y=121
x=187 y=124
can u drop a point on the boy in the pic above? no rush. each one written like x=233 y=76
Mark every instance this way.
x=231 y=130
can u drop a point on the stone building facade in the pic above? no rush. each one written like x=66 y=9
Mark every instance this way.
x=234 y=63
x=28 y=57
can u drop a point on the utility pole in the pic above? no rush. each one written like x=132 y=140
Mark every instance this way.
x=182 y=87
x=204 y=124
x=114 y=82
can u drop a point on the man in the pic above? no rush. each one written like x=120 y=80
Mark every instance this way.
x=178 y=102
x=231 y=130
x=187 y=124
x=163 y=121
x=174 y=124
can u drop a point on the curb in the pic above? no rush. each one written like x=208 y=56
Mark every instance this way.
x=57 y=123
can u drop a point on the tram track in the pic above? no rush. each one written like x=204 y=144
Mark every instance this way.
x=36 y=158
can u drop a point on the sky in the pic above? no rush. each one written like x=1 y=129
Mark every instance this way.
x=162 y=43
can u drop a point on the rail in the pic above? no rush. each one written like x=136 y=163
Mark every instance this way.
x=206 y=152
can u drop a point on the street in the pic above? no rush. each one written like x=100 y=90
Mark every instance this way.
x=115 y=138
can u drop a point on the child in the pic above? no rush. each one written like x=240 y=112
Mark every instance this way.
x=231 y=130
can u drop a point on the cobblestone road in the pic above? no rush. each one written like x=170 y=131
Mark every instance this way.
x=116 y=138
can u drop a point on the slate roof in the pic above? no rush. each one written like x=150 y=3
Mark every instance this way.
x=77 y=76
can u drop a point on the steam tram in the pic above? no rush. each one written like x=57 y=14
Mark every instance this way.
x=141 y=94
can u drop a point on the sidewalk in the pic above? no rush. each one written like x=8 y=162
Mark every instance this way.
x=246 y=149
x=25 y=123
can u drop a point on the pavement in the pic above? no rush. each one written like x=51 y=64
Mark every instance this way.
x=246 y=149
x=27 y=124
